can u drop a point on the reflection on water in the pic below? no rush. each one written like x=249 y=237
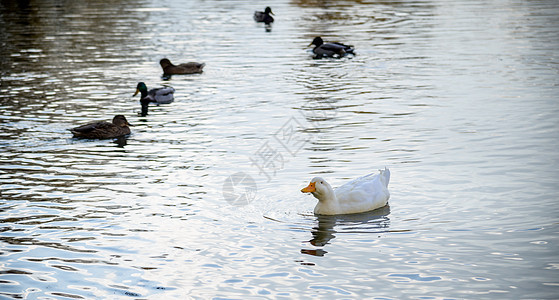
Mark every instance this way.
x=120 y=141
x=457 y=98
x=372 y=222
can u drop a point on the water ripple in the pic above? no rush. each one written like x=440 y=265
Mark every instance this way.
x=458 y=100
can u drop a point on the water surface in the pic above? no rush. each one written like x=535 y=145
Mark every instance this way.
x=458 y=99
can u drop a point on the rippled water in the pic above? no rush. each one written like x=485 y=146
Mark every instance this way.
x=458 y=98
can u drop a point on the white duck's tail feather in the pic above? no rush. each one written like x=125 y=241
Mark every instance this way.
x=385 y=176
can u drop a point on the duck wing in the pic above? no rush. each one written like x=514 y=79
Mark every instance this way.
x=90 y=127
x=99 y=130
x=192 y=67
x=371 y=188
x=338 y=47
x=347 y=48
x=329 y=50
x=186 y=68
x=163 y=95
x=332 y=46
x=259 y=16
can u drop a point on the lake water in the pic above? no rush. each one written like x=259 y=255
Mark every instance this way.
x=458 y=98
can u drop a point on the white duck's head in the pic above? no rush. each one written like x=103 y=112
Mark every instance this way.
x=320 y=189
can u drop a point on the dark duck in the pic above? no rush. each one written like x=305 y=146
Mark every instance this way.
x=264 y=16
x=185 y=68
x=103 y=130
x=332 y=49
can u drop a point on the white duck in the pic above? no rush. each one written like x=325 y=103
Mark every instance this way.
x=365 y=193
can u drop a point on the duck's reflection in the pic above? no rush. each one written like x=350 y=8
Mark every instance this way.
x=375 y=221
x=121 y=141
x=314 y=252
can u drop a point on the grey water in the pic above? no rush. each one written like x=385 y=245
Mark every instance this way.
x=459 y=99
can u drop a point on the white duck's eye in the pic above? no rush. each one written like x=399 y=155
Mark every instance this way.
x=321 y=182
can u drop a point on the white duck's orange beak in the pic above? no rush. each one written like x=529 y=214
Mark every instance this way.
x=309 y=189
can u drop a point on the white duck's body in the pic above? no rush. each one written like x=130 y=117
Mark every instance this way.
x=365 y=193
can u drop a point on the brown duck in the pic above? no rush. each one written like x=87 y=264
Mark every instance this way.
x=102 y=129
x=186 y=68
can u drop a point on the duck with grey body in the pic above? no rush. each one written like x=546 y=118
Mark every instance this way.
x=162 y=95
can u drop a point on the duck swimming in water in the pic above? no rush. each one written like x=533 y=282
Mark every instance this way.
x=103 y=130
x=186 y=68
x=363 y=194
x=162 y=95
x=332 y=49
x=264 y=16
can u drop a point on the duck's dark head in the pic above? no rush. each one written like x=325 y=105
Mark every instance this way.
x=141 y=88
x=317 y=41
x=268 y=11
x=165 y=63
x=121 y=121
